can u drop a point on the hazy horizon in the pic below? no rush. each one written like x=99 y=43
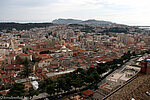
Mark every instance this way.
x=39 y=21
x=122 y=12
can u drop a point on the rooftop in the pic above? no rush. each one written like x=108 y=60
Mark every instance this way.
x=88 y=92
x=59 y=73
x=125 y=74
x=148 y=60
x=135 y=89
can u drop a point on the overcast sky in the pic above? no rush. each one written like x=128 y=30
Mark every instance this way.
x=130 y=12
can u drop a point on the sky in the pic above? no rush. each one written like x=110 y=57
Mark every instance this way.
x=129 y=12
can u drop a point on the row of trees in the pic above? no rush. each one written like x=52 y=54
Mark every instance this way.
x=87 y=29
x=116 y=30
x=145 y=51
x=116 y=63
x=71 y=81
x=18 y=90
x=20 y=26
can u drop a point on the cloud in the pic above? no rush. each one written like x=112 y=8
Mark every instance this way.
x=121 y=11
x=74 y=5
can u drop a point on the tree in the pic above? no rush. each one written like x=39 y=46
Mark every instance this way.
x=61 y=83
x=67 y=82
x=77 y=82
x=102 y=69
x=45 y=52
x=18 y=60
x=48 y=81
x=50 y=88
x=27 y=68
x=133 y=53
x=109 y=63
x=114 y=66
x=90 y=70
x=43 y=85
x=96 y=76
x=2 y=87
x=17 y=90
x=83 y=74
x=148 y=51
x=32 y=92
x=126 y=56
x=34 y=59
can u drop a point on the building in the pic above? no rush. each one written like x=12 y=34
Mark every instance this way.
x=137 y=89
x=65 y=51
x=58 y=74
x=88 y=93
x=145 y=66
x=119 y=78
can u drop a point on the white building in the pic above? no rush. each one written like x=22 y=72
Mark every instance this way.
x=119 y=78
x=65 y=51
x=35 y=85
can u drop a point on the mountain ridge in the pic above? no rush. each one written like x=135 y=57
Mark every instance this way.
x=75 y=21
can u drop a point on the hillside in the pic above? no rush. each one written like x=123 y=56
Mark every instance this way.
x=66 y=21
x=74 y=21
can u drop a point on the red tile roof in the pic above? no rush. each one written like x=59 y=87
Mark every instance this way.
x=4 y=92
x=23 y=54
x=103 y=86
x=14 y=65
x=12 y=55
x=102 y=57
x=88 y=93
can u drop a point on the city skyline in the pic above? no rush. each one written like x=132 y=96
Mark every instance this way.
x=124 y=12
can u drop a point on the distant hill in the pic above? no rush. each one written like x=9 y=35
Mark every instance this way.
x=22 y=26
x=93 y=21
x=66 y=21
x=74 y=21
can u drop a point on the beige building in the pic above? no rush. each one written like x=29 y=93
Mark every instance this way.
x=119 y=78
